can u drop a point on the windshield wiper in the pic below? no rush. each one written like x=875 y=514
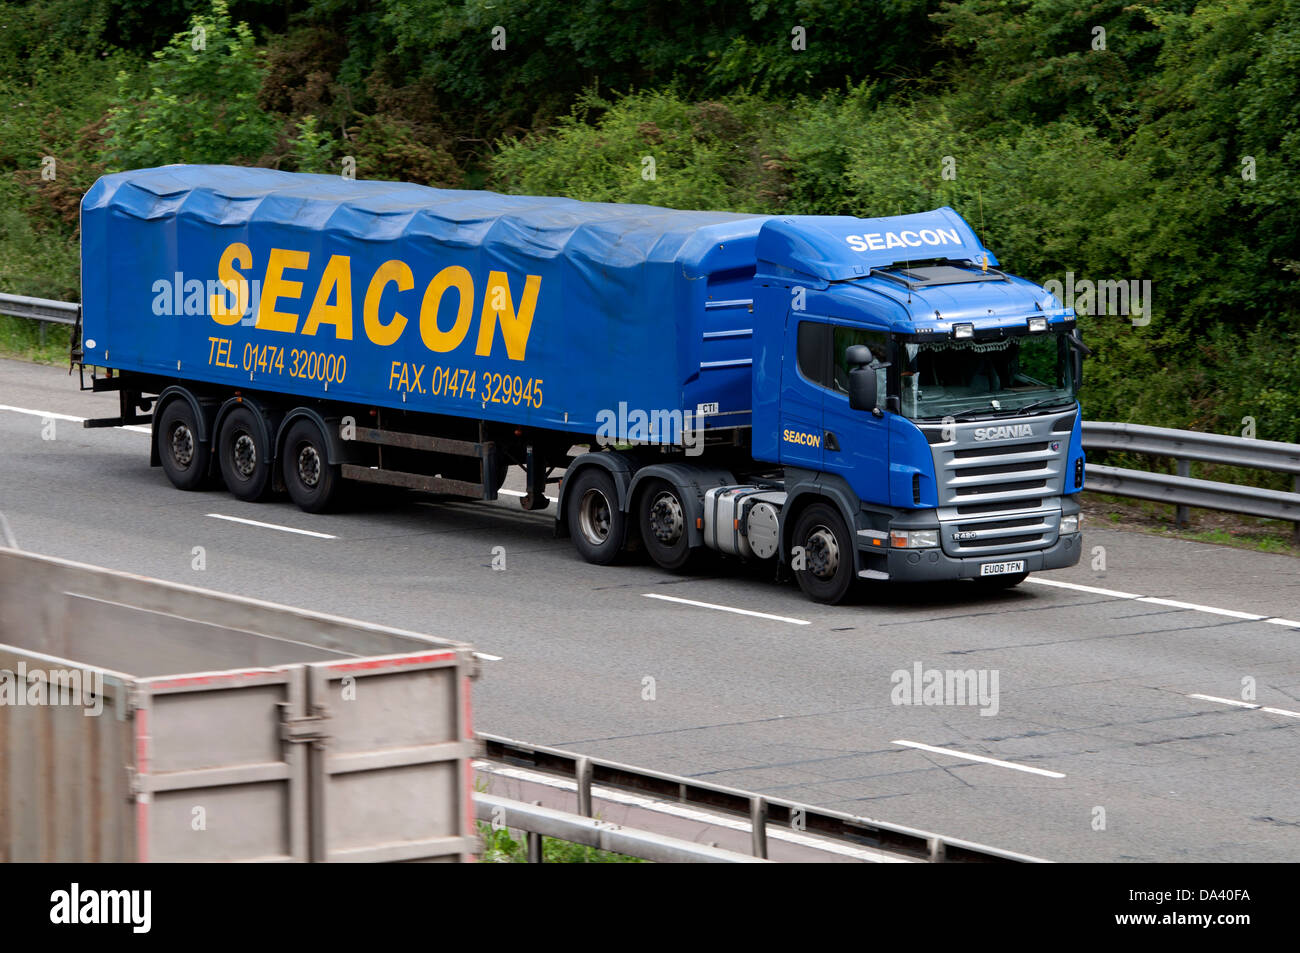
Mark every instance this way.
x=1045 y=402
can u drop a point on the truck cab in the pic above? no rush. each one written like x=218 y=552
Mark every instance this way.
x=958 y=454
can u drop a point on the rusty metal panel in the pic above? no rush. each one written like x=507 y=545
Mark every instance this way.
x=64 y=782
x=215 y=746
x=393 y=764
x=215 y=780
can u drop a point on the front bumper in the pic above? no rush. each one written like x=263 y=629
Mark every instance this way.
x=928 y=565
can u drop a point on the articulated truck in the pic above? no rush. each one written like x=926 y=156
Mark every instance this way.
x=843 y=398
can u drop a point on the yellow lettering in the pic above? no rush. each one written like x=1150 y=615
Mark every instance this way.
x=235 y=253
x=277 y=286
x=379 y=333
x=499 y=306
x=337 y=278
x=435 y=339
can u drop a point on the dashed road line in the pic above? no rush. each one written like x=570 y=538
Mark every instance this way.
x=965 y=756
x=711 y=605
x=69 y=417
x=283 y=529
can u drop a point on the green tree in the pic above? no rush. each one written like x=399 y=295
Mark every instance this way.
x=196 y=102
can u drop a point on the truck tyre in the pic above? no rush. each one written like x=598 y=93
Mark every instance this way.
x=244 y=456
x=826 y=557
x=312 y=481
x=597 y=525
x=998 y=583
x=184 y=459
x=663 y=520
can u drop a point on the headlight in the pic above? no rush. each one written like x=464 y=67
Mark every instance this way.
x=914 y=538
x=1070 y=524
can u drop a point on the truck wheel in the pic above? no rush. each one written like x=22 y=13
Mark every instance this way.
x=827 y=554
x=184 y=459
x=244 y=456
x=663 y=517
x=597 y=525
x=312 y=481
x=998 y=583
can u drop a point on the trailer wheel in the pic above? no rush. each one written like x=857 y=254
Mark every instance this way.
x=184 y=458
x=663 y=516
x=824 y=564
x=244 y=456
x=312 y=481
x=597 y=525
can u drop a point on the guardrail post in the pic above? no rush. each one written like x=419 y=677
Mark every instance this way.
x=938 y=850
x=534 y=844
x=1295 y=527
x=1181 y=513
x=582 y=772
x=758 y=822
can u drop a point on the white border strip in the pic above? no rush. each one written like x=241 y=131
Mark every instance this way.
x=1240 y=704
x=1172 y=603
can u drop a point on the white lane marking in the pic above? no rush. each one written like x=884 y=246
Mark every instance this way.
x=980 y=758
x=488 y=658
x=53 y=416
x=710 y=605
x=1190 y=606
x=1093 y=589
x=1254 y=617
x=283 y=529
x=1250 y=705
x=521 y=493
x=690 y=814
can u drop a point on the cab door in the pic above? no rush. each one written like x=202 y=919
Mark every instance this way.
x=857 y=441
x=803 y=374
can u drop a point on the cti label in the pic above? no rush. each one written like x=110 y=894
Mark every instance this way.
x=333 y=301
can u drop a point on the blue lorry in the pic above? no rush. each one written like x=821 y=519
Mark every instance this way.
x=846 y=399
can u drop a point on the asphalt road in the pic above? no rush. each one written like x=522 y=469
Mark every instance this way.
x=1097 y=749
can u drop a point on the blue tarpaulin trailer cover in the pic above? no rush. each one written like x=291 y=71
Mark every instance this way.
x=537 y=311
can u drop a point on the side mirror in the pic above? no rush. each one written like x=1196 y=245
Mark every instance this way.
x=857 y=354
x=1078 y=351
x=862 y=388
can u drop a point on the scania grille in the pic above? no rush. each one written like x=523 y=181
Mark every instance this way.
x=1017 y=473
x=1000 y=495
x=992 y=535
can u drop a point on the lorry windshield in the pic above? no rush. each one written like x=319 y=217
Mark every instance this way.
x=950 y=378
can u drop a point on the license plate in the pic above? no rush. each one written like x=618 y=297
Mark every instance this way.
x=1001 y=569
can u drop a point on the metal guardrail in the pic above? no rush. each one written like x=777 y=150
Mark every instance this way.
x=45 y=310
x=40 y=309
x=1180 y=489
x=894 y=839
x=541 y=822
